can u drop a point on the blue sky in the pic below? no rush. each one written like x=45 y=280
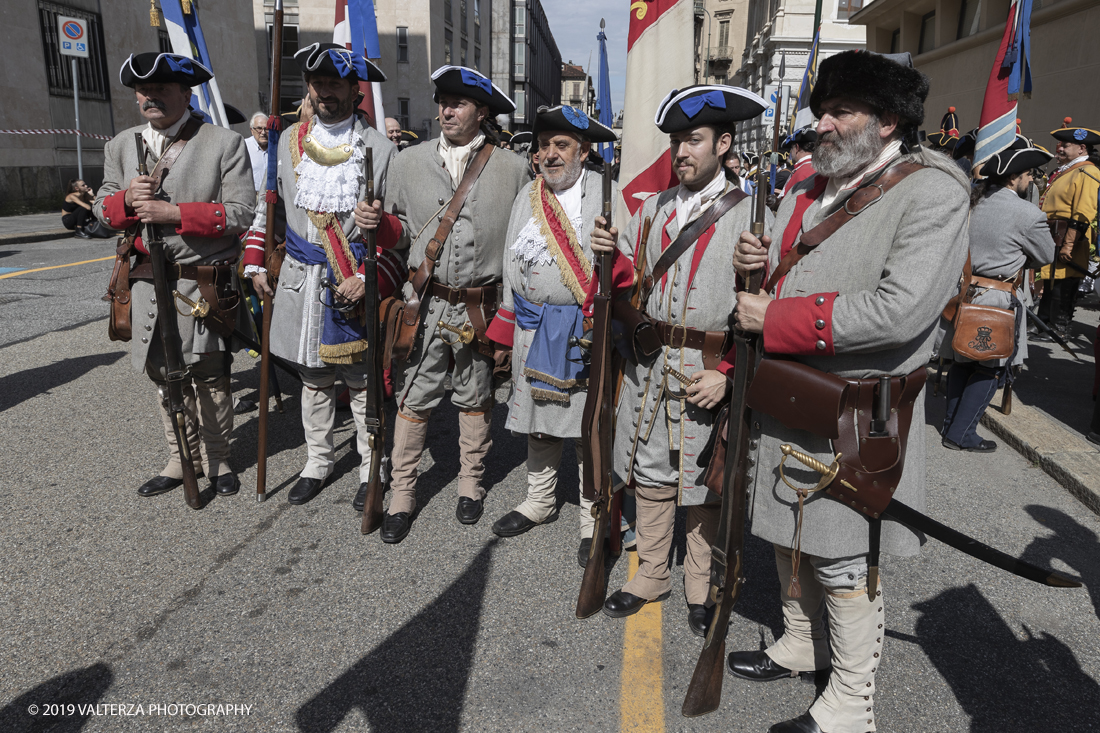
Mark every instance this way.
x=575 y=24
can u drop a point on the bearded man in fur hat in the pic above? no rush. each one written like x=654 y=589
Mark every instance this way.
x=863 y=303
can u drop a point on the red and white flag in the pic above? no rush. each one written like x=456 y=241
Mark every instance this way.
x=372 y=91
x=660 y=57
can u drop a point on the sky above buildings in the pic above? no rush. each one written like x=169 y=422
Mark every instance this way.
x=575 y=24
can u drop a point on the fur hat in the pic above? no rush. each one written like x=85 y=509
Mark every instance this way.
x=881 y=82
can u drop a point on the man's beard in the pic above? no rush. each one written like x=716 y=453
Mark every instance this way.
x=343 y=110
x=564 y=177
x=842 y=157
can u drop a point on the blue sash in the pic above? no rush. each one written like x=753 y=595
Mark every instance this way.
x=553 y=367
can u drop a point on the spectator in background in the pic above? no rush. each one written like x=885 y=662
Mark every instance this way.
x=257 y=149
x=732 y=168
x=800 y=147
x=77 y=212
x=393 y=131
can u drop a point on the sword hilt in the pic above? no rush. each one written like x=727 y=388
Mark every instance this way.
x=828 y=472
x=465 y=334
x=678 y=376
x=200 y=309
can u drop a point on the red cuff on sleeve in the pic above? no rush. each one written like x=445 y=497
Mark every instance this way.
x=389 y=231
x=201 y=220
x=729 y=361
x=139 y=245
x=116 y=213
x=392 y=273
x=622 y=273
x=254 y=248
x=800 y=326
x=503 y=328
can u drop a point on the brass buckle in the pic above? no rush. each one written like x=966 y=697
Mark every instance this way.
x=672 y=335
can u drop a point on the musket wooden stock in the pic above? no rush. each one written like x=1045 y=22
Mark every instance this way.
x=269 y=248
x=597 y=427
x=375 y=417
x=704 y=693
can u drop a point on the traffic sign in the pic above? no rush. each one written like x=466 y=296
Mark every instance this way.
x=72 y=36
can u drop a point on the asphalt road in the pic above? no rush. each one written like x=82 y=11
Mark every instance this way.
x=113 y=600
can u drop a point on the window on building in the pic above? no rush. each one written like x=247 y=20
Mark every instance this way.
x=92 y=78
x=895 y=41
x=403 y=113
x=519 y=65
x=970 y=13
x=723 y=33
x=465 y=50
x=164 y=43
x=520 y=98
x=477 y=58
x=927 y=33
x=462 y=5
x=521 y=21
x=447 y=11
x=577 y=91
x=448 y=46
x=402 y=45
x=847 y=8
x=477 y=21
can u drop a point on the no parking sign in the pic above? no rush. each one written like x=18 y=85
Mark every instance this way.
x=72 y=36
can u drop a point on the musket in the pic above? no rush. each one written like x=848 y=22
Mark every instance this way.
x=1083 y=271
x=168 y=327
x=704 y=692
x=269 y=248
x=375 y=416
x=597 y=426
x=1050 y=332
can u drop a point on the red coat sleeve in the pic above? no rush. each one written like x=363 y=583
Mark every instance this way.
x=116 y=213
x=201 y=220
x=254 y=248
x=800 y=326
x=622 y=273
x=503 y=328
x=389 y=231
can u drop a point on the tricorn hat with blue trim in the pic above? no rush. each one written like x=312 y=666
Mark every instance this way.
x=1079 y=135
x=162 y=68
x=564 y=118
x=332 y=59
x=466 y=82
x=802 y=138
x=707 y=104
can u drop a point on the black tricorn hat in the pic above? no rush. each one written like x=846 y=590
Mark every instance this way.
x=948 y=134
x=884 y=83
x=965 y=145
x=521 y=137
x=162 y=68
x=332 y=59
x=466 y=82
x=1021 y=156
x=564 y=118
x=804 y=136
x=1079 y=135
x=706 y=104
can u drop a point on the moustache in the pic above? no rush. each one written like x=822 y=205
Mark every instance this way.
x=154 y=104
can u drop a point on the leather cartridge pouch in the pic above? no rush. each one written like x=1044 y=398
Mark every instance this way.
x=408 y=325
x=118 y=290
x=713 y=456
x=218 y=288
x=640 y=337
x=799 y=396
x=983 y=331
x=389 y=314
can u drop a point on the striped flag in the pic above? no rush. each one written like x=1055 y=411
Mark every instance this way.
x=357 y=28
x=803 y=117
x=660 y=49
x=185 y=35
x=1010 y=78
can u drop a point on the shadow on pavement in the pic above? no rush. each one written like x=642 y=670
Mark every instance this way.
x=1073 y=543
x=416 y=679
x=79 y=688
x=1060 y=387
x=1003 y=683
x=22 y=386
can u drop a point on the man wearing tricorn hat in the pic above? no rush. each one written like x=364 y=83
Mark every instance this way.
x=199 y=210
x=857 y=299
x=664 y=424
x=800 y=146
x=1069 y=202
x=458 y=262
x=549 y=282
x=322 y=215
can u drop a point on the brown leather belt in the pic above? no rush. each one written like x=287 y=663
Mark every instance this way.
x=1007 y=286
x=711 y=343
x=471 y=297
x=143 y=270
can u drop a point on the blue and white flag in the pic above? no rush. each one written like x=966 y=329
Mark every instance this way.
x=185 y=35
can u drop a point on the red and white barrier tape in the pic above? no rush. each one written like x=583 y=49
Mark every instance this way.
x=55 y=132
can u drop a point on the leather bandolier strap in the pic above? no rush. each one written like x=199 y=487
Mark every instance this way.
x=215 y=284
x=713 y=344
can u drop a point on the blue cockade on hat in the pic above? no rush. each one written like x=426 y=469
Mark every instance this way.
x=575 y=117
x=694 y=105
x=180 y=64
x=348 y=62
x=471 y=79
x=1080 y=134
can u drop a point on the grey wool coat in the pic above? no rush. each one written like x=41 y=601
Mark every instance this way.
x=213 y=168
x=1007 y=233
x=297 y=314
x=894 y=268
x=658 y=439
x=541 y=283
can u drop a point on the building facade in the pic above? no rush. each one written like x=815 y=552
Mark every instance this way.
x=720 y=27
x=527 y=64
x=955 y=43
x=36 y=83
x=415 y=38
x=576 y=88
x=778 y=29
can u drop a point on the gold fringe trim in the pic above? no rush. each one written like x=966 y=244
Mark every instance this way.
x=348 y=353
x=291 y=134
x=559 y=383
x=550 y=396
x=568 y=277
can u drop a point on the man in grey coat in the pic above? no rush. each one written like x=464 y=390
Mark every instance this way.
x=662 y=425
x=322 y=216
x=865 y=302
x=549 y=284
x=462 y=293
x=199 y=210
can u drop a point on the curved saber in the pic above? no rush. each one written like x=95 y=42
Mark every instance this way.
x=953 y=538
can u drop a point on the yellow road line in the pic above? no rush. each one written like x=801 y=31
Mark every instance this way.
x=642 y=700
x=54 y=267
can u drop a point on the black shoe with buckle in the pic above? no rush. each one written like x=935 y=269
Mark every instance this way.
x=469 y=510
x=304 y=490
x=226 y=485
x=395 y=527
x=756 y=666
x=804 y=723
x=159 y=485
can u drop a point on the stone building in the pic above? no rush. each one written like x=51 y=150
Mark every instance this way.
x=720 y=27
x=576 y=88
x=526 y=60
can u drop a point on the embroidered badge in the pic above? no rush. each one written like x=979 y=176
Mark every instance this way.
x=984 y=340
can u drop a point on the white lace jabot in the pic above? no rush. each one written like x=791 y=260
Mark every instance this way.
x=331 y=188
x=530 y=246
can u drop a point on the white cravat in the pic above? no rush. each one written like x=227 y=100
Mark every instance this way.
x=839 y=186
x=1075 y=161
x=455 y=157
x=691 y=204
x=158 y=140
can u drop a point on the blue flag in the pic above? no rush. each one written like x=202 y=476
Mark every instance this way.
x=606 y=117
x=187 y=39
x=364 y=28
